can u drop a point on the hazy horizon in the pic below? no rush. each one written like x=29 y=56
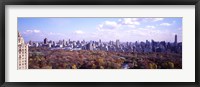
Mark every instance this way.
x=97 y=41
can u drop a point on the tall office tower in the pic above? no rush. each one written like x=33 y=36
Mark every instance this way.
x=45 y=41
x=99 y=40
x=54 y=43
x=22 y=53
x=99 y=43
x=117 y=43
x=36 y=44
x=127 y=44
x=64 y=42
x=175 y=39
x=30 y=43
x=89 y=46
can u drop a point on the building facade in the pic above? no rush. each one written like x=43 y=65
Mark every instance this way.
x=45 y=41
x=22 y=53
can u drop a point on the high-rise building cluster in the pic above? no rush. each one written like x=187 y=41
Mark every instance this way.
x=22 y=53
x=114 y=46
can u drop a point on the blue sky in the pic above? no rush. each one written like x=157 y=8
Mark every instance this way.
x=106 y=29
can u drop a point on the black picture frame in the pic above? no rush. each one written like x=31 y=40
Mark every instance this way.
x=98 y=2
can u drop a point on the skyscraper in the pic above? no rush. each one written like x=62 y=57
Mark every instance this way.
x=175 y=39
x=45 y=41
x=99 y=40
x=117 y=43
x=22 y=53
x=64 y=42
x=89 y=46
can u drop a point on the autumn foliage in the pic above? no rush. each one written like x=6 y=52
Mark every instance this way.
x=44 y=58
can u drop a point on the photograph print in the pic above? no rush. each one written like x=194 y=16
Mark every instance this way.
x=99 y=43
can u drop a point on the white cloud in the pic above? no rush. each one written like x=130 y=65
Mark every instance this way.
x=31 y=31
x=152 y=19
x=108 y=25
x=36 y=31
x=126 y=29
x=79 y=32
x=52 y=33
x=131 y=26
x=149 y=26
x=146 y=32
x=157 y=19
x=124 y=22
x=129 y=21
x=142 y=34
x=130 y=34
x=165 y=24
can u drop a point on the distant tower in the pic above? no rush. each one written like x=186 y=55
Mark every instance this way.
x=45 y=41
x=22 y=53
x=89 y=46
x=64 y=42
x=175 y=39
x=99 y=40
x=117 y=43
x=30 y=43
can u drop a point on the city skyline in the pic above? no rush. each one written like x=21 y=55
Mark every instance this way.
x=42 y=41
x=104 y=29
x=112 y=46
